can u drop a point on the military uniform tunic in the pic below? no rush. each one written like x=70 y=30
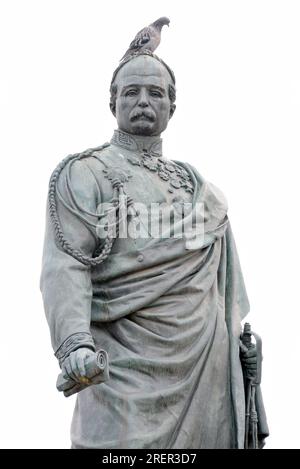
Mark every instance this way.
x=167 y=313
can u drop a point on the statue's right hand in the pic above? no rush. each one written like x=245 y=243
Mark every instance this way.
x=73 y=366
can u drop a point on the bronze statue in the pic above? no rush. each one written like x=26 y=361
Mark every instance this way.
x=161 y=304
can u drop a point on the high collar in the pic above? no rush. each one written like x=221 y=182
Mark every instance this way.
x=137 y=143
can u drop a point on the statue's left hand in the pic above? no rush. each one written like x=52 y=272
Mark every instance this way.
x=73 y=366
x=249 y=360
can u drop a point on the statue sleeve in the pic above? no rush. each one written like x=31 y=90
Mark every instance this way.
x=65 y=282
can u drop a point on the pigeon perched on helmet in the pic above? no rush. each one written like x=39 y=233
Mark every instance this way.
x=147 y=38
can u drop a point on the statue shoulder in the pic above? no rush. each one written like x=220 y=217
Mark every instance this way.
x=87 y=155
x=80 y=164
x=206 y=187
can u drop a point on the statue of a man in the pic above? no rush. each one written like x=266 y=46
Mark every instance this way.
x=167 y=309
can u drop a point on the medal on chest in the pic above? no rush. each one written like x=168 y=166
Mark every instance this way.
x=174 y=175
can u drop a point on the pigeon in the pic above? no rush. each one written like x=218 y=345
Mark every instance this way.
x=147 y=38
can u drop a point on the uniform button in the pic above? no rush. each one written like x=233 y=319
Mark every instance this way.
x=140 y=258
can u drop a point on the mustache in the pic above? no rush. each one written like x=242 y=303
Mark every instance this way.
x=147 y=115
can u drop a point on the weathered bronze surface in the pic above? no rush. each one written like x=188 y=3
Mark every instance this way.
x=164 y=302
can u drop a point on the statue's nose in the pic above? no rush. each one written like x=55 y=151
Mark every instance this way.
x=143 y=101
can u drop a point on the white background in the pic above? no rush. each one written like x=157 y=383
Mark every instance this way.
x=237 y=120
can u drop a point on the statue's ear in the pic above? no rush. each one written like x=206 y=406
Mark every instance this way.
x=113 y=98
x=113 y=108
x=172 y=110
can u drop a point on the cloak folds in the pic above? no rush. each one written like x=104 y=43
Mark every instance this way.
x=169 y=320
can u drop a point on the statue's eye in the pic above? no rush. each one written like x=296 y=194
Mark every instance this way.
x=156 y=94
x=131 y=92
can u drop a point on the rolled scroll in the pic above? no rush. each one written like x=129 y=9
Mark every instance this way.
x=97 y=371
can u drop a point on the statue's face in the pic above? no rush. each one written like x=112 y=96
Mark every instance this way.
x=143 y=106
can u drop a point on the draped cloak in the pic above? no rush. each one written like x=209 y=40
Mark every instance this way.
x=167 y=310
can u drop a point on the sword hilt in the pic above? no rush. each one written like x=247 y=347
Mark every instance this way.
x=246 y=341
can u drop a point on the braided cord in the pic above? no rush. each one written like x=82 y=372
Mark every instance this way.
x=59 y=234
